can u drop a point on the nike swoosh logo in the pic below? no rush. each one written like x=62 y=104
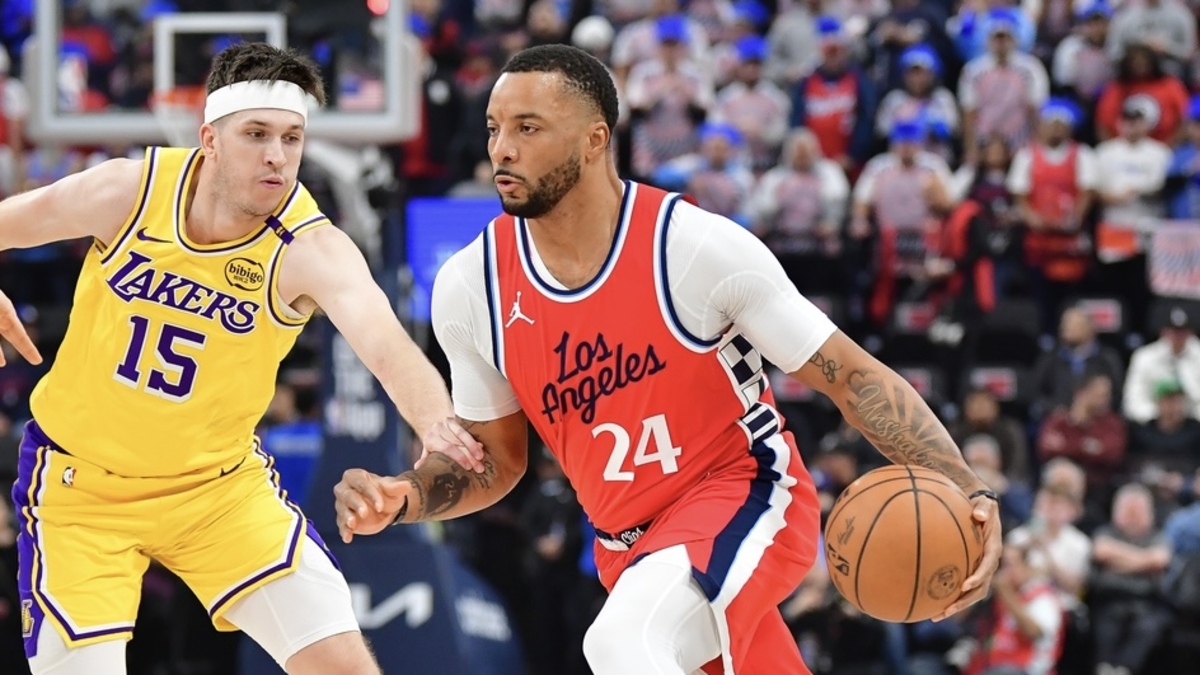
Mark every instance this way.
x=141 y=234
x=226 y=472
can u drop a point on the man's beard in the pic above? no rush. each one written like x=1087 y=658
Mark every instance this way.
x=225 y=190
x=547 y=192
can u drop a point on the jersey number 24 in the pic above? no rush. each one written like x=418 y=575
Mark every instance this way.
x=654 y=430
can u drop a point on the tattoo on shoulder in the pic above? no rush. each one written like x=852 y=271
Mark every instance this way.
x=828 y=367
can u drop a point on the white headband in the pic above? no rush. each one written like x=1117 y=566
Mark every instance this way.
x=279 y=94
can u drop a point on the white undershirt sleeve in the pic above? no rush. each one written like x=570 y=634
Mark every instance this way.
x=721 y=275
x=462 y=324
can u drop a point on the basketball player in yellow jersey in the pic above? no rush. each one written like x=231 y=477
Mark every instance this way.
x=207 y=262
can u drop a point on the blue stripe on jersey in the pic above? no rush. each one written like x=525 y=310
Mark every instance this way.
x=673 y=316
x=729 y=540
x=609 y=260
x=488 y=289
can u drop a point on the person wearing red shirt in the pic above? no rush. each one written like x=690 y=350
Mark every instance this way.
x=1141 y=81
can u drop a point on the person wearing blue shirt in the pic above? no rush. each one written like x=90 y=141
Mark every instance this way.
x=1183 y=178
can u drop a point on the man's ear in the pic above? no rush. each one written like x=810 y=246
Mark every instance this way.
x=599 y=138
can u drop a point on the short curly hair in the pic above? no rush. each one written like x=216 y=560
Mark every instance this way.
x=583 y=74
x=246 y=61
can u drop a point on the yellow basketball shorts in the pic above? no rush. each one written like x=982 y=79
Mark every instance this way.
x=87 y=536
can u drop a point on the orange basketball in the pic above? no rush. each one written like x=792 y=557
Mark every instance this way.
x=900 y=541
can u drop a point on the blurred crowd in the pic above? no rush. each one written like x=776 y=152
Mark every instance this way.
x=999 y=199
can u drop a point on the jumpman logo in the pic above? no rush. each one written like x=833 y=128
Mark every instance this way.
x=516 y=313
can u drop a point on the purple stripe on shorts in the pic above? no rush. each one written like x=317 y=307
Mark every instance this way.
x=293 y=543
x=34 y=454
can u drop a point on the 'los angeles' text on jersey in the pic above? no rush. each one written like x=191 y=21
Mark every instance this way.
x=589 y=370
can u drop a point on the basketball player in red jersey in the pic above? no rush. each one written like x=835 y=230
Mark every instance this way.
x=630 y=327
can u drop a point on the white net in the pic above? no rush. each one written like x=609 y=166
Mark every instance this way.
x=180 y=112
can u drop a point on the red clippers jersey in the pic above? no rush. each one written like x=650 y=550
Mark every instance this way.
x=1061 y=254
x=1053 y=188
x=830 y=107
x=636 y=411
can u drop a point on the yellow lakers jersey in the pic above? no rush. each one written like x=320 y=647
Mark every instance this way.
x=173 y=347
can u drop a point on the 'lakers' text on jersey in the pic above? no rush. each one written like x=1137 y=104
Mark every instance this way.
x=172 y=349
x=637 y=411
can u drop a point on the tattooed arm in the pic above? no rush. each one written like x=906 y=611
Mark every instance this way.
x=439 y=488
x=883 y=406
x=893 y=416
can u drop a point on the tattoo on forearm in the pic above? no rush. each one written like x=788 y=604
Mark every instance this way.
x=898 y=422
x=441 y=484
x=828 y=367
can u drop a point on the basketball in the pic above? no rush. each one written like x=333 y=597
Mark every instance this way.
x=900 y=541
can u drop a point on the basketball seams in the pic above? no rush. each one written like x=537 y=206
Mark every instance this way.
x=841 y=504
x=916 y=492
x=961 y=535
x=867 y=538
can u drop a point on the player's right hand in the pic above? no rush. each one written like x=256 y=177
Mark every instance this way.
x=13 y=330
x=366 y=502
x=450 y=438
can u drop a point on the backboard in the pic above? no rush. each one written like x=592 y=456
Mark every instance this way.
x=371 y=65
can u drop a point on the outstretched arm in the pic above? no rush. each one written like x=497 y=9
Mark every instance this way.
x=892 y=415
x=95 y=203
x=439 y=489
x=323 y=266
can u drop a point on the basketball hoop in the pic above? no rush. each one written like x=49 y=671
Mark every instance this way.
x=180 y=112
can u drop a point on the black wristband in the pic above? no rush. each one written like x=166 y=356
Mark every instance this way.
x=403 y=511
x=984 y=493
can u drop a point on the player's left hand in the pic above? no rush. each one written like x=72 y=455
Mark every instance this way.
x=986 y=514
x=452 y=440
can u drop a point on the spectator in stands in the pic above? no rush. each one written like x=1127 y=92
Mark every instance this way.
x=910 y=23
x=755 y=106
x=1059 y=372
x=1182 y=530
x=794 y=49
x=1161 y=98
x=14 y=109
x=1025 y=634
x=731 y=25
x=1183 y=178
x=545 y=23
x=1133 y=170
x=921 y=97
x=903 y=192
x=1055 y=544
x=1174 y=356
x=972 y=26
x=669 y=96
x=1081 y=65
x=1088 y=432
x=1168 y=445
x=1053 y=180
x=641 y=40
x=837 y=101
x=717 y=176
x=982 y=453
x=1129 y=557
x=981 y=416
x=1001 y=91
x=983 y=190
x=1167 y=27
x=798 y=209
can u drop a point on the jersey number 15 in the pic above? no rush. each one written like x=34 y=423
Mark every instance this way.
x=654 y=430
x=175 y=380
